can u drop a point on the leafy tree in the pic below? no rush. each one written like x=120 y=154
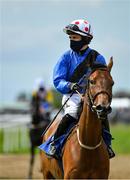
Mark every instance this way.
x=57 y=97
x=23 y=97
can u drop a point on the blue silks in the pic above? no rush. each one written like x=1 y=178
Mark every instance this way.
x=107 y=137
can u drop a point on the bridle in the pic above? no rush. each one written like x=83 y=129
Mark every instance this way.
x=91 y=98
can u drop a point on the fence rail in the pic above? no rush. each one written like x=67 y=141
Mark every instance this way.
x=14 y=133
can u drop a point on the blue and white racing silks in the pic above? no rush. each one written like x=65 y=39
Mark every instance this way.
x=66 y=66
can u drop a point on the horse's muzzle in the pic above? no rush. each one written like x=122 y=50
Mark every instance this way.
x=102 y=111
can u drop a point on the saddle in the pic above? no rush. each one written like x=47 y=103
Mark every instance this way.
x=59 y=142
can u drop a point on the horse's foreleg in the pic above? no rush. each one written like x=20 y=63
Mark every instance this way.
x=71 y=174
x=31 y=161
x=48 y=175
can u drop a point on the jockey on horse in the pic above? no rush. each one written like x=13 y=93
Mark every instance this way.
x=80 y=35
x=40 y=107
x=40 y=118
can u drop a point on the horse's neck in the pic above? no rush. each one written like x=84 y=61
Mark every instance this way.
x=89 y=127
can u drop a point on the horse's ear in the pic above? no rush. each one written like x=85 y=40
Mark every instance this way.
x=109 y=66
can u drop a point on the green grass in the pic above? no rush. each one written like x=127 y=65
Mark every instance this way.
x=121 y=135
x=120 y=144
x=1 y=140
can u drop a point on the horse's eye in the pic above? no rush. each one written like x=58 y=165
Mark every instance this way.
x=92 y=82
x=112 y=83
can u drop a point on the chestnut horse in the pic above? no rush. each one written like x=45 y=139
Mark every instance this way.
x=84 y=154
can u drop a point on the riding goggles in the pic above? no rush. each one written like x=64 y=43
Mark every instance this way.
x=74 y=28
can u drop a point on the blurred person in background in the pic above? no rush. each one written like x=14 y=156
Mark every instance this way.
x=40 y=107
x=80 y=35
x=40 y=117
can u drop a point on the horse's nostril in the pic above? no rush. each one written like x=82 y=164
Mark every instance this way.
x=103 y=109
x=99 y=108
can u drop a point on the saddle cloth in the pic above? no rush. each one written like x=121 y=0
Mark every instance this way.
x=59 y=143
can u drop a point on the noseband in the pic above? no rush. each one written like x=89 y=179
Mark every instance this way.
x=92 y=98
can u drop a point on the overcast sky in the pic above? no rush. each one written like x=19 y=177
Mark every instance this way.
x=32 y=39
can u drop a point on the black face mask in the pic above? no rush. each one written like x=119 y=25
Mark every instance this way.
x=77 y=45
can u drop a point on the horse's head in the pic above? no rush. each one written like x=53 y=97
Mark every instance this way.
x=99 y=89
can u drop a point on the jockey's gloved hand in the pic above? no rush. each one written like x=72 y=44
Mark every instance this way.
x=74 y=86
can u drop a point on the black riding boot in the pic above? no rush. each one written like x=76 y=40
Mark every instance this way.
x=109 y=148
x=61 y=129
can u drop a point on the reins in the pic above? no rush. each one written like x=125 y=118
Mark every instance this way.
x=79 y=141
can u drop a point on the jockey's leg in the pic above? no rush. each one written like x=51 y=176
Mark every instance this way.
x=71 y=115
x=64 y=123
x=61 y=129
x=107 y=137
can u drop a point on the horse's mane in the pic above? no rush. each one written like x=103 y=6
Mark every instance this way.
x=98 y=66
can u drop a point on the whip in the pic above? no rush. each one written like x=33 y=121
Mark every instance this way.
x=56 y=115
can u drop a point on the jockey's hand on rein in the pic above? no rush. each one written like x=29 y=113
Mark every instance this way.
x=74 y=86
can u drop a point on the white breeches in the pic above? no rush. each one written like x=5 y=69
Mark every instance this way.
x=72 y=105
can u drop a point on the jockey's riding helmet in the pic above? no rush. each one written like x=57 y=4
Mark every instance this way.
x=81 y=27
